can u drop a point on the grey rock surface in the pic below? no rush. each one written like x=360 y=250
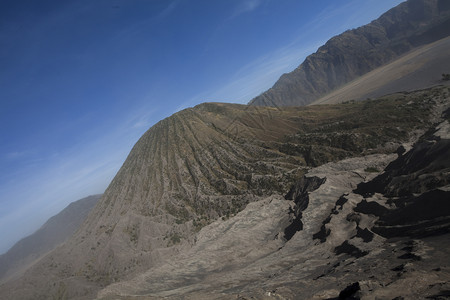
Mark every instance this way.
x=245 y=258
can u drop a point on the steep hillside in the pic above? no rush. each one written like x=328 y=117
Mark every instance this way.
x=341 y=249
x=421 y=68
x=355 y=52
x=350 y=232
x=54 y=232
x=205 y=165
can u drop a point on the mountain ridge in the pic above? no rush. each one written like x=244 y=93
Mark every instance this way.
x=358 y=51
x=53 y=232
x=418 y=69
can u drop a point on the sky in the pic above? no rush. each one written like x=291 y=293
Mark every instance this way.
x=81 y=81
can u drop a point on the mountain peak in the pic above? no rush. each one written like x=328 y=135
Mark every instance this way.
x=358 y=51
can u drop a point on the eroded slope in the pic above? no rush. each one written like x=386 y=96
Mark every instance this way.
x=208 y=163
x=365 y=234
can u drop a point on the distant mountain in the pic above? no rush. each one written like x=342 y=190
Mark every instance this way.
x=418 y=69
x=54 y=232
x=358 y=51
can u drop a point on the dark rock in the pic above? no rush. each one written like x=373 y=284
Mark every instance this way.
x=411 y=256
x=371 y=208
x=398 y=268
x=324 y=232
x=349 y=292
x=423 y=170
x=428 y=206
x=400 y=150
x=350 y=249
x=406 y=175
x=299 y=194
x=354 y=217
x=294 y=227
x=341 y=201
x=299 y=191
x=442 y=295
x=425 y=215
x=446 y=113
x=408 y=248
x=365 y=234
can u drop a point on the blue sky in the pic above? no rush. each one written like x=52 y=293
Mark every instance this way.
x=81 y=81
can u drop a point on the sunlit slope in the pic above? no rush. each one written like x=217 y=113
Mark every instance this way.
x=378 y=223
x=421 y=68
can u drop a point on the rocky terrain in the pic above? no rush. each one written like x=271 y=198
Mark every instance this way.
x=54 y=232
x=372 y=227
x=211 y=203
x=356 y=52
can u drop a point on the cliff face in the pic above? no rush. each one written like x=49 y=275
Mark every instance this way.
x=205 y=165
x=358 y=51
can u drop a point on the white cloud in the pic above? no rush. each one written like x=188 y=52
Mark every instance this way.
x=245 y=7
x=260 y=74
x=167 y=11
x=257 y=76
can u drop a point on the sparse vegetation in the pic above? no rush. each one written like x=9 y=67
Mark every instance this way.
x=133 y=232
x=61 y=293
x=200 y=222
x=445 y=76
x=371 y=170
x=173 y=238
